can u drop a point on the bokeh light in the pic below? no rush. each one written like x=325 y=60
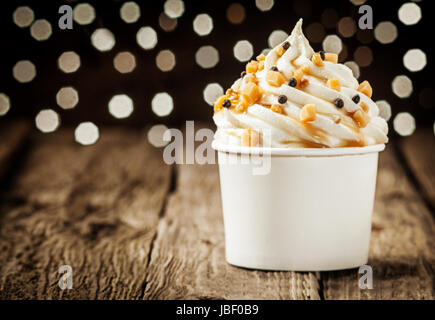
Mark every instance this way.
x=124 y=62
x=203 y=24
x=69 y=62
x=24 y=71
x=207 y=57
x=162 y=104
x=121 y=106
x=333 y=44
x=409 y=13
x=346 y=27
x=41 y=30
x=23 y=16
x=264 y=5
x=155 y=135
x=243 y=50
x=402 y=86
x=165 y=60
x=236 y=13
x=329 y=18
x=315 y=32
x=130 y=12
x=276 y=37
x=167 y=23
x=86 y=133
x=352 y=65
x=211 y=92
x=174 y=8
x=358 y=2
x=363 y=56
x=414 y=60
x=47 y=120
x=404 y=124
x=5 y=104
x=384 y=109
x=146 y=37
x=67 y=98
x=385 y=32
x=84 y=13
x=103 y=39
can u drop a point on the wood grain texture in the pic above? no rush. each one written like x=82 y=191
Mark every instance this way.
x=402 y=247
x=13 y=135
x=419 y=153
x=188 y=259
x=111 y=213
x=94 y=208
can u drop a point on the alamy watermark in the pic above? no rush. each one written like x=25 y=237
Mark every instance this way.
x=182 y=150
x=366 y=280
x=66 y=278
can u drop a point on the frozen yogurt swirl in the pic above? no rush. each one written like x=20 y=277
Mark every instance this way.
x=302 y=99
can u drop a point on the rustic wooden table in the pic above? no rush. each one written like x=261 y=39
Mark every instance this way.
x=132 y=227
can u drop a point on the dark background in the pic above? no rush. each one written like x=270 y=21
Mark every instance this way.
x=97 y=80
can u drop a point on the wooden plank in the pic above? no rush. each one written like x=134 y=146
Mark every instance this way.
x=419 y=152
x=13 y=135
x=402 y=247
x=94 y=208
x=188 y=259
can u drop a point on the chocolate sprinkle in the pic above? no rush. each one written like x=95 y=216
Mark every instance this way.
x=356 y=98
x=286 y=45
x=339 y=103
x=274 y=68
x=322 y=54
x=293 y=82
x=226 y=103
x=282 y=99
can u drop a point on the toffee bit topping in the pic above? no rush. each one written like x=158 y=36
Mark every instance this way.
x=336 y=118
x=261 y=65
x=303 y=83
x=308 y=113
x=252 y=66
x=339 y=103
x=277 y=108
x=280 y=51
x=322 y=54
x=317 y=60
x=331 y=57
x=355 y=98
x=274 y=68
x=333 y=84
x=282 y=99
x=286 y=45
x=364 y=106
x=275 y=78
x=365 y=88
x=226 y=103
x=361 y=118
x=261 y=57
x=293 y=82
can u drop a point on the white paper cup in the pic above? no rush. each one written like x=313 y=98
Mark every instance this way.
x=312 y=212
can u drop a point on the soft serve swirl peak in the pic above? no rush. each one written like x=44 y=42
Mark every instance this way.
x=301 y=98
